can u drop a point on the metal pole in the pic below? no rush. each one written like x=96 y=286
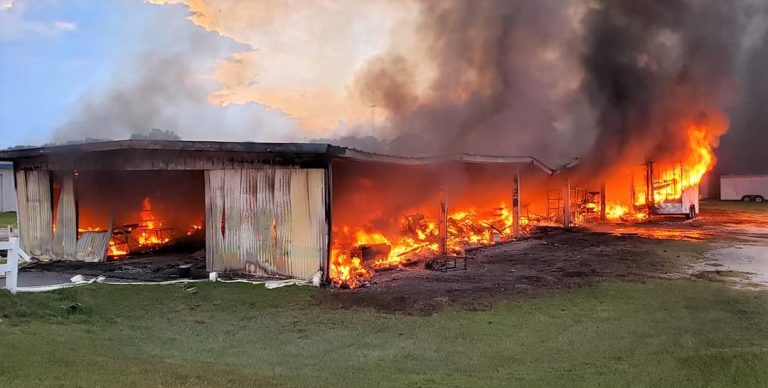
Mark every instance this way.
x=516 y=206
x=602 y=203
x=650 y=200
x=442 y=220
x=326 y=266
x=567 y=205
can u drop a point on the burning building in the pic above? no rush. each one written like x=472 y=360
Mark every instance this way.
x=272 y=209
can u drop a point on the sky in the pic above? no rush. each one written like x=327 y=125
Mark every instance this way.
x=421 y=76
x=52 y=53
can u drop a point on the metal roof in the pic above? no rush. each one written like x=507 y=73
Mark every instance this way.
x=317 y=149
x=171 y=145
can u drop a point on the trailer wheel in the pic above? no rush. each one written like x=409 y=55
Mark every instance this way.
x=746 y=198
x=759 y=199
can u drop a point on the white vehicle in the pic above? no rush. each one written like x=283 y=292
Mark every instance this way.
x=747 y=188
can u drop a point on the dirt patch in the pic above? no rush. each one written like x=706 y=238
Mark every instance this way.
x=560 y=259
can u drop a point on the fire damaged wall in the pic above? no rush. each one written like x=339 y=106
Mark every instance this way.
x=254 y=208
x=267 y=221
x=33 y=190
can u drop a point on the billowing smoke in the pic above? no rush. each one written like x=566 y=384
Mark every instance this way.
x=605 y=80
x=164 y=86
x=654 y=69
x=503 y=79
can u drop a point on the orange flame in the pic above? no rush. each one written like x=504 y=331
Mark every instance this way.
x=419 y=236
x=149 y=233
x=671 y=182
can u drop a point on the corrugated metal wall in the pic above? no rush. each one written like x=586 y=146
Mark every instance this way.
x=35 y=214
x=7 y=189
x=268 y=221
x=92 y=246
x=65 y=234
x=35 y=220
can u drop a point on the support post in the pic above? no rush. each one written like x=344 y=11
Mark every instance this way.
x=516 y=206
x=442 y=221
x=567 y=205
x=326 y=266
x=649 y=198
x=603 y=204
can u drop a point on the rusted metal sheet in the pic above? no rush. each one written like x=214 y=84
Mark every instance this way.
x=268 y=221
x=92 y=246
x=35 y=221
x=22 y=212
x=309 y=235
x=65 y=234
x=214 y=205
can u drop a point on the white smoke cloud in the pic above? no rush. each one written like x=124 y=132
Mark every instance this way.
x=166 y=85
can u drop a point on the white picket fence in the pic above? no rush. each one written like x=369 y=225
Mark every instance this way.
x=11 y=266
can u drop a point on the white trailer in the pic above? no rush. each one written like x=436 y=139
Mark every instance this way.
x=687 y=205
x=747 y=188
x=660 y=188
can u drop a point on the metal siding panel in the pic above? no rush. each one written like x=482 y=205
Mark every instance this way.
x=282 y=214
x=317 y=215
x=207 y=222
x=298 y=223
x=300 y=226
x=274 y=221
x=65 y=238
x=23 y=209
x=39 y=214
x=214 y=211
x=233 y=257
x=265 y=199
x=248 y=221
x=45 y=224
x=92 y=246
x=33 y=244
x=308 y=229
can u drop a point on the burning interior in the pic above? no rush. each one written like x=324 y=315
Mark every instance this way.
x=389 y=214
x=146 y=212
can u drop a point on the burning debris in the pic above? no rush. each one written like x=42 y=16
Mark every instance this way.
x=146 y=235
x=424 y=213
x=141 y=212
x=359 y=253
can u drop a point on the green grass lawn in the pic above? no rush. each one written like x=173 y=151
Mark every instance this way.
x=714 y=204
x=670 y=333
x=7 y=218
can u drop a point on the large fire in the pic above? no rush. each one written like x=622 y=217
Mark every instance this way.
x=148 y=233
x=358 y=252
x=671 y=180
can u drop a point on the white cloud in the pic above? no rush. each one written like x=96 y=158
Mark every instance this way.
x=14 y=23
x=64 y=26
